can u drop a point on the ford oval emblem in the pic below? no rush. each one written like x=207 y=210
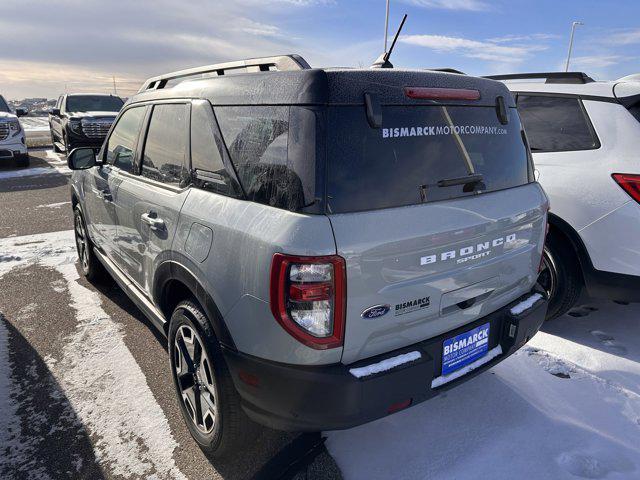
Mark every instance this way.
x=375 y=311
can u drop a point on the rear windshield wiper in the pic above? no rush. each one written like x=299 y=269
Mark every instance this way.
x=467 y=181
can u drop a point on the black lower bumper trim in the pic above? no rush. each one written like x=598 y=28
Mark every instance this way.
x=288 y=397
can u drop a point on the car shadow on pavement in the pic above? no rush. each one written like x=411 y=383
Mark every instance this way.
x=33 y=177
x=45 y=437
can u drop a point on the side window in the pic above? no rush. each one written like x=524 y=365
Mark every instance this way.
x=257 y=139
x=206 y=151
x=165 y=150
x=556 y=124
x=122 y=142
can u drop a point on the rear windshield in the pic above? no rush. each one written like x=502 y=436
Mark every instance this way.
x=94 y=103
x=418 y=148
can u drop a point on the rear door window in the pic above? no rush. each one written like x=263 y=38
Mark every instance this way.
x=257 y=138
x=165 y=150
x=207 y=149
x=556 y=124
x=419 y=147
x=122 y=142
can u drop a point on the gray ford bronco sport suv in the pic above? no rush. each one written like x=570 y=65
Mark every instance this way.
x=321 y=247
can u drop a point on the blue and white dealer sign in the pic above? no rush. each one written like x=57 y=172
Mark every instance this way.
x=465 y=348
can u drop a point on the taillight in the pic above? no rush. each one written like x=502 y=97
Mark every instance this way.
x=630 y=183
x=433 y=93
x=308 y=298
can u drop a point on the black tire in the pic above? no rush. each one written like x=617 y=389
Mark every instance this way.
x=90 y=266
x=22 y=161
x=560 y=277
x=205 y=379
x=56 y=149
x=67 y=147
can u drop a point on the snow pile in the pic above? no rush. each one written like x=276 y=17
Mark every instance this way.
x=525 y=304
x=565 y=407
x=384 y=365
x=99 y=375
x=491 y=354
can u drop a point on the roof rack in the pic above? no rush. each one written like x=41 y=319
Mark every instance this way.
x=551 y=77
x=264 y=64
x=446 y=70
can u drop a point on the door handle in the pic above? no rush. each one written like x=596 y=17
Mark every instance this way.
x=151 y=219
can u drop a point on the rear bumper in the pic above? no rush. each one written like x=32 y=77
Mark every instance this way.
x=329 y=397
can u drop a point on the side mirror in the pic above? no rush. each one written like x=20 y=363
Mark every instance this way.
x=20 y=112
x=536 y=174
x=55 y=112
x=81 y=158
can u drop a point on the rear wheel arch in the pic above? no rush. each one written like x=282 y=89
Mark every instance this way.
x=175 y=283
x=565 y=232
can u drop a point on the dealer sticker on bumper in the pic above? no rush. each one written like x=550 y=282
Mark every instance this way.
x=465 y=348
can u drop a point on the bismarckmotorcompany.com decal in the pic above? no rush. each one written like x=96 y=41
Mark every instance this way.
x=441 y=130
x=412 y=305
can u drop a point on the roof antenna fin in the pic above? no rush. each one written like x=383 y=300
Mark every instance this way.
x=383 y=60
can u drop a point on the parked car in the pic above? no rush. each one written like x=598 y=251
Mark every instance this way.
x=582 y=134
x=13 y=146
x=321 y=247
x=82 y=120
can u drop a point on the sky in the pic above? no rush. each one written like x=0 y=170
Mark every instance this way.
x=52 y=46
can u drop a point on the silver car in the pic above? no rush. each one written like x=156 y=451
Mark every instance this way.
x=320 y=247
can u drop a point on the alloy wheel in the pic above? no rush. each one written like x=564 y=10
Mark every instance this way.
x=196 y=382
x=548 y=277
x=82 y=244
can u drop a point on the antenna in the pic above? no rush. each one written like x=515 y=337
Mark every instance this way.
x=386 y=27
x=383 y=60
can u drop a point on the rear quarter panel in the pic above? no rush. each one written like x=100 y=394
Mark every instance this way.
x=236 y=271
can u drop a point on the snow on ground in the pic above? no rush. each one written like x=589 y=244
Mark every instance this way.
x=58 y=162
x=54 y=205
x=113 y=402
x=26 y=172
x=567 y=406
x=31 y=124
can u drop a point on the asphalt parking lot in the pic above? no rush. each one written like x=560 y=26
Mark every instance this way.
x=85 y=390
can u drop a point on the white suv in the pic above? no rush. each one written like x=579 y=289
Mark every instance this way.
x=583 y=135
x=13 y=145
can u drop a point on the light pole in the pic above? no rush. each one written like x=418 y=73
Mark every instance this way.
x=573 y=31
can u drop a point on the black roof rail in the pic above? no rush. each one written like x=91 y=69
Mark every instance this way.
x=264 y=64
x=446 y=70
x=551 y=77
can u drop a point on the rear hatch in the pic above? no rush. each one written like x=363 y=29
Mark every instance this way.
x=432 y=251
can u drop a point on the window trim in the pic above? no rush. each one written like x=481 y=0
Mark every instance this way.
x=585 y=114
x=226 y=158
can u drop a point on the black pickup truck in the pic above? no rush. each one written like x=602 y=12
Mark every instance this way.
x=82 y=120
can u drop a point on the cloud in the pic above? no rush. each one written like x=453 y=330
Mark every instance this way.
x=525 y=38
x=596 y=61
x=625 y=38
x=471 y=5
x=482 y=50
